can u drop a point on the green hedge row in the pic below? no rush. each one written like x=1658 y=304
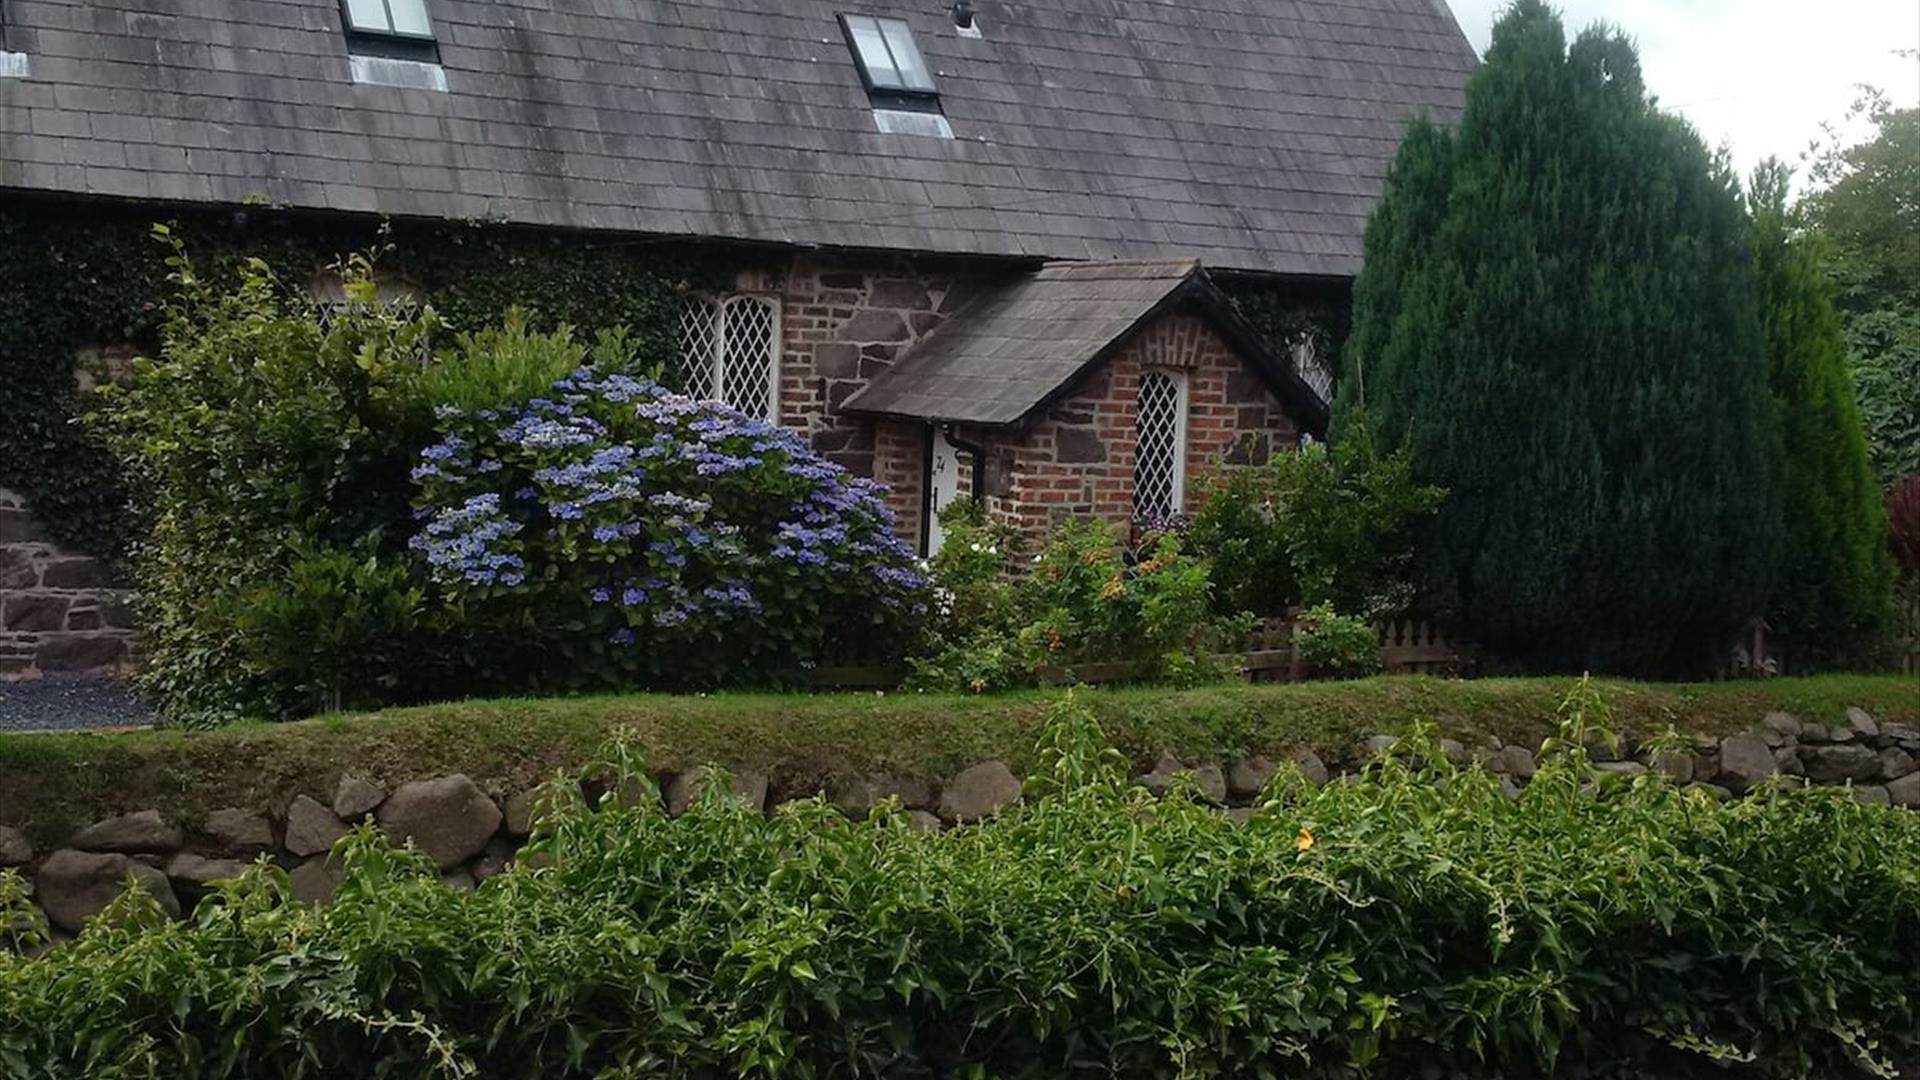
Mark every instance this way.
x=1412 y=923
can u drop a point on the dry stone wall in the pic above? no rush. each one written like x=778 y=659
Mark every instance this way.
x=59 y=611
x=473 y=833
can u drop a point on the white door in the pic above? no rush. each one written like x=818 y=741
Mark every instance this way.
x=943 y=485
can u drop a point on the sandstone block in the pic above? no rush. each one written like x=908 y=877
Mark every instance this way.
x=145 y=832
x=979 y=792
x=1745 y=760
x=235 y=829
x=749 y=789
x=74 y=886
x=449 y=819
x=1841 y=762
x=1311 y=767
x=355 y=798
x=35 y=613
x=1249 y=776
x=312 y=829
x=199 y=871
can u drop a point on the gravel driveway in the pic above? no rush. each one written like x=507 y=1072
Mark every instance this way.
x=56 y=704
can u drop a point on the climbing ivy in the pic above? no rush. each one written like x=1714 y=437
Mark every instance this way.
x=74 y=277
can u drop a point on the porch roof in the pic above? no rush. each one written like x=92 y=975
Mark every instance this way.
x=1020 y=347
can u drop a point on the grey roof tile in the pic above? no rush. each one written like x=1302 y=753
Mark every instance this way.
x=1252 y=134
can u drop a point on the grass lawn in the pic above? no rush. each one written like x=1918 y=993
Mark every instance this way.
x=50 y=784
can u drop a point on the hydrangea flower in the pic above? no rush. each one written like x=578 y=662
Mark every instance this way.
x=728 y=543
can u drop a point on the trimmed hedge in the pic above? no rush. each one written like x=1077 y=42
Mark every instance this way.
x=54 y=784
x=1410 y=923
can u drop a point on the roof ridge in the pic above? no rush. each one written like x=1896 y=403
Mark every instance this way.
x=1106 y=268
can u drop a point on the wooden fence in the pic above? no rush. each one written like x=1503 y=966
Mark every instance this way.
x=1762 y=653
x=1408 y=646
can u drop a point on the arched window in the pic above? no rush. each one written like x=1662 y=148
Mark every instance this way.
x=1160 y=454
x=730 y=352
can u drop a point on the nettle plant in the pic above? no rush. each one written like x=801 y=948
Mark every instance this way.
x=624 y=535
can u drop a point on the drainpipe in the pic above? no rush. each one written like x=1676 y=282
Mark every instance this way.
x=979 y=454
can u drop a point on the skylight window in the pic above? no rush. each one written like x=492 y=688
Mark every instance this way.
x=406 y=19
x=890 y=62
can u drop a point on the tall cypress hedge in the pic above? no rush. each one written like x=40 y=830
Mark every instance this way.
x=1558 y=316
x=1835 y=587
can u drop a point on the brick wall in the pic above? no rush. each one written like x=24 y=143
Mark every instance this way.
x=900 y=462
x=58 y=611
x=846 y=317
x=1078 y=461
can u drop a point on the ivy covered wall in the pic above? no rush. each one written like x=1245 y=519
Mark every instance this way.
x=75 y=276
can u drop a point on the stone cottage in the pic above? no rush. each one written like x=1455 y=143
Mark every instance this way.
x=984 y=241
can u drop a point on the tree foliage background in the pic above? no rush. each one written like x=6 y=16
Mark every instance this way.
x=1834 y=594
x=1866 y=200
x=1558 y=317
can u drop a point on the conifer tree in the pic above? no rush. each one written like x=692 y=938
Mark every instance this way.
x=1834 y=593
x=1558 y=317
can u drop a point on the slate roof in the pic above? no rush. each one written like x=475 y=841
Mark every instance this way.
x=1252 y=134
x=1014 y=350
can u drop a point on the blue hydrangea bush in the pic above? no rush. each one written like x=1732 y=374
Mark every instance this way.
x=619 y=534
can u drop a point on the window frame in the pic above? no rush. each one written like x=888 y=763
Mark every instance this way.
x=716 y=306
x=355 y=30
x=1177 y=494
x=875 y=85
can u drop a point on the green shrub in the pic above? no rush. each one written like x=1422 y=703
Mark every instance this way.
x=261 y=436
x=613 y=534
x=1335 y=645
x=339 y=626
x=1414 y=922
x=1083 y=599
x=1315 y=527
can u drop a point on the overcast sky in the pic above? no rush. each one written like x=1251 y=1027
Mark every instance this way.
x=1758 y=76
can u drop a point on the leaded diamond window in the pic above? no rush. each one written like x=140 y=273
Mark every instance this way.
x=730 y=352
x=1160 y=455
x=1313 y=368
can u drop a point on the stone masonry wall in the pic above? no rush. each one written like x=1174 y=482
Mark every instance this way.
x=846 y=318
x=1078 y=461
x=474 y=832
x=59 y=613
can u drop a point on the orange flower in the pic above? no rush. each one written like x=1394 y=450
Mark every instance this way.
x=1113 y=589
x=1305 y=842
